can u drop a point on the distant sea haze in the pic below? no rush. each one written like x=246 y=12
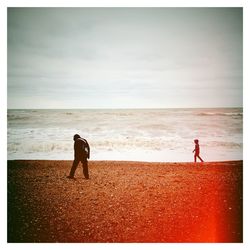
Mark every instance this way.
x=159 y=135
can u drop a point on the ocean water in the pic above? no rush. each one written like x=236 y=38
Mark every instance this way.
x=162 y=135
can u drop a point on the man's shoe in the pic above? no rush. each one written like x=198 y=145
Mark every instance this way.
x=70 y=177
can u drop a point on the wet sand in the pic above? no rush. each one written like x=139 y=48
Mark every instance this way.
x=125 y=202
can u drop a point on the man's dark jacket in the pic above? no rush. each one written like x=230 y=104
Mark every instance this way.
x=79 y=146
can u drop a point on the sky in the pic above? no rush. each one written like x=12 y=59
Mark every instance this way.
x=125 y=57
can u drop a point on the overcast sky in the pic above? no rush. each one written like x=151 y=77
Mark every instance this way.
x=124 y=57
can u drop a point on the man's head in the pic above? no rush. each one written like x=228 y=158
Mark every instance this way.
x=196 y=141
x=76 y=136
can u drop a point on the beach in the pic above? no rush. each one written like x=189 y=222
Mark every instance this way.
x=125 y=202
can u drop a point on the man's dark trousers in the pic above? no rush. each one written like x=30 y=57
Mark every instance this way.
x=84 y=166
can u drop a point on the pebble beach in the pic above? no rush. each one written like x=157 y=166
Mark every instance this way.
x=125 y=202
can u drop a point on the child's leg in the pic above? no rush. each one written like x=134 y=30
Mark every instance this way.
x=200 y=159
x=195 y=158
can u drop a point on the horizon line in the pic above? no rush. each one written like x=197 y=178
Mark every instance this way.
x=125 y=108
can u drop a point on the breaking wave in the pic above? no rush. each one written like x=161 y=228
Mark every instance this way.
x=47 y=134
x=220 y=114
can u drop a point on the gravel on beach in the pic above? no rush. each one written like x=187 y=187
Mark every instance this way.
x=125 y=202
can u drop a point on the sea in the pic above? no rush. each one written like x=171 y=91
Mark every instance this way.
x=153 y=135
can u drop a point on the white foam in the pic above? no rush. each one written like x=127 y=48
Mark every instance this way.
x=152 y=135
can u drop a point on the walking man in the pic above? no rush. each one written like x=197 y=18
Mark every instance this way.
x=82 y=153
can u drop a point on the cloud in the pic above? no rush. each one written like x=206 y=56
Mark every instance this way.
x=65 y=54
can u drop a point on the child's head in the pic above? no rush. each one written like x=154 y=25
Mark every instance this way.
x=196 y=141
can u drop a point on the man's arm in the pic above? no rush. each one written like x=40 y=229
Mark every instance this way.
x=88 y=150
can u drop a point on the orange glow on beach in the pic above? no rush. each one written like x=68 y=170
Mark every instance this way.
x=125 y=202
x=216 y=216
